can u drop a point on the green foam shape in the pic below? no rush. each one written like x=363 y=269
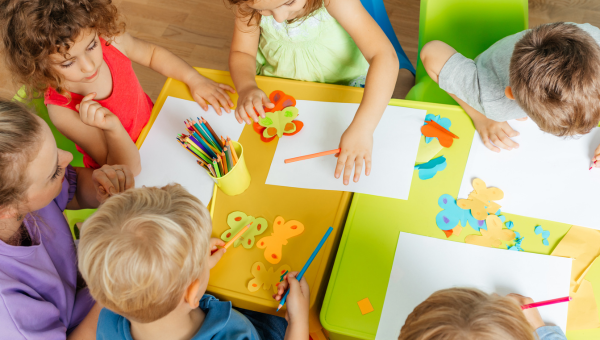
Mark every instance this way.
x=238 y=220
x=278 y=120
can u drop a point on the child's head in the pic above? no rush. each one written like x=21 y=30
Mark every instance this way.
x=281 y=10
x=144 y=252
x=32 y=168
x=555 y=78
x=466 y=314
x=48 y=42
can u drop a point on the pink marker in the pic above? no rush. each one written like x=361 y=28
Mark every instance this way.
x=546 y=303
x=593 y=165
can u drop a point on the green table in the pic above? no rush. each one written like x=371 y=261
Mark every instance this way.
x=366 y=251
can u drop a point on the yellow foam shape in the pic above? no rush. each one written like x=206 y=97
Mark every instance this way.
x=492 y=236
x=583 y=311
x=281 y=233
x=365 y=306
x=427 y=151
x=480 y=200
x=266 y=277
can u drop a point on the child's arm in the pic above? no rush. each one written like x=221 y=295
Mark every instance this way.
x=98 y=132
x=169 y=65
x=242 y=64
x=434 y=56
x=357 y=140
x=535 y=320
x=86 y=330
x=297 y=303
x=95 y=186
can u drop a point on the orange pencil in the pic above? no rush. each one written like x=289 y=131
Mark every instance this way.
x=233 y=153
x=220 y=162
x=224 y=158
x=314 y=155
x=238 y=235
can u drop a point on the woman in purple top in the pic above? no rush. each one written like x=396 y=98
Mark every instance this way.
x=41 y=293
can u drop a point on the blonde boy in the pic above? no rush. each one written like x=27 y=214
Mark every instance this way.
x=146 y=257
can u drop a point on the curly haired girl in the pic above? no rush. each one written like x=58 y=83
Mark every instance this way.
x=78 y=54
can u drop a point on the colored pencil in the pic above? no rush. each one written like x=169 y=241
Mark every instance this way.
x=196 y=152
x=203 y=133
x=210 y=128
x=593 y=165
x=220 y=162
x=205 y=169
x=209 y=134
x=233 y=153
x=206 y=151
x=546 y=303
x=314 y=155
x=229 y=158
x=190 y=151
x=238 y=235
x=307 y=264
x=193 y=127
x=216 y=167
x=225 y=166
x=205 y=143
x=212 y=170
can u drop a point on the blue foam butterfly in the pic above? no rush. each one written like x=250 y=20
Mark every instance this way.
x=429 y=169
x=445 y=122
x=452 y=214
x=545 y=234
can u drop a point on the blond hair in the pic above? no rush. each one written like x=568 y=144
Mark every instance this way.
x=555 y=78
x=466 y=314
x=143 y=248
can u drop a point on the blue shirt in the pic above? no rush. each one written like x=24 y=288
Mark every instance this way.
x=550 y=333
x=221 y=323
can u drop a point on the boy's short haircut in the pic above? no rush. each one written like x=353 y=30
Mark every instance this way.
x=466 y=314
x=143 y=248
x=555 y=78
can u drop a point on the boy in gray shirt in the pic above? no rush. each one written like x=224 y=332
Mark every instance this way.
x=550 y=74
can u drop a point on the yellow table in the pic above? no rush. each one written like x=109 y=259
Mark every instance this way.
x=366 y=251
x=317 y=209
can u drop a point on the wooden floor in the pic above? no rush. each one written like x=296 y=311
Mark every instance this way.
x=199 y=31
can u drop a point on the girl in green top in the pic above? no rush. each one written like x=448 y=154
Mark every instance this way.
x=331 y=41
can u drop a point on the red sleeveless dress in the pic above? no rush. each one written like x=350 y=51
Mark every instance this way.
x=128 y=101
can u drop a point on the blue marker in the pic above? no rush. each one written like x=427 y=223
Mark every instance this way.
x=307 y=264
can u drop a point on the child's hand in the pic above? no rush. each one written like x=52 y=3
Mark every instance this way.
x=596 y=158
x=248 y=101
x=111 y=179
x=216 y=256
x=297 y=300
x=357 y=146
x=498 y=133
x=205 y=90
x=94 y=114
x=532 y=314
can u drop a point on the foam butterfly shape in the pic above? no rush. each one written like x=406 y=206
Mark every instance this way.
x=545 y=234
x=443 y=122
x=266 y=277
x=282 y=231
x=431 y=168
x=451 y=215
x=433 y=129
x=480 y=200
x=238 y=220
x=493 y=236
x=279 y=120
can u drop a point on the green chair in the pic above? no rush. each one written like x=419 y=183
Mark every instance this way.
x=470 y=26
x=73 y=216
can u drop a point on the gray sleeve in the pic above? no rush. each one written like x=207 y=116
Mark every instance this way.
x=550 y=333
x=459 y=77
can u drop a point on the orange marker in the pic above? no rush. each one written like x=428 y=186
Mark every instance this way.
x=314 y=155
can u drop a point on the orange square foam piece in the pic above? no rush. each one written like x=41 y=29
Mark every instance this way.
x=365 y=306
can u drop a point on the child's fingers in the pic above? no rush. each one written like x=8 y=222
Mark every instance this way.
x=215 y=104
x=217 y=255
x=258 y=106
x=237 y=115
x=497 y=142
x=368 y=165
x=341 y=162
x=305 y=288
x=249 y=111
x=242 y=111
x=227 y=88
x=358 y=166
x=348 y=169
x=90 y=96
x=486 y=141
x=267 y=102
x=224 y=100
x=200 y=100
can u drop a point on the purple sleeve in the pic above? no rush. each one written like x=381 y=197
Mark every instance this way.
x=69 y=188
x=24 y=317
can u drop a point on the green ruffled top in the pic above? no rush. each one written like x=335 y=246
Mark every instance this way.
x=316 y=49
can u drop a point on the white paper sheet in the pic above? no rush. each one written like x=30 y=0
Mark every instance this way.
x=547 y=177
x=163 y=159
x=422 y=267
x=395 y=145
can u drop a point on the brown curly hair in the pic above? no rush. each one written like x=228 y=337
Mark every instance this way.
x=253 y=16
x=32 y=30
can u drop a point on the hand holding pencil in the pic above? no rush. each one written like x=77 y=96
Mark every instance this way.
x=298 y=298
x=531 y=314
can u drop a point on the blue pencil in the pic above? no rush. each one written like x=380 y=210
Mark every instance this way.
x=307 y=264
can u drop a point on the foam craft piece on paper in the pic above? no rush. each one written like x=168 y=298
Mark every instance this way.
x=282 y=231
x=427 y=150
x=493 y=236
x=266 y=277
x=452 y=214
x=433 y=129
x=583 y=246
x=491 y=270
x=561 y=190
x=583 y=310
x=545 y=234
x=164 y=161
x=480 y=200
x=396 y=134
x=280 y=100
x=429 y=169
x=444 y=122
x=365 y=306
x=279 y=122
x=238 y=220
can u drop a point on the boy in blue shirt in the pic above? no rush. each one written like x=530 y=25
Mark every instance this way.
x=146 y=257
x=550 y=74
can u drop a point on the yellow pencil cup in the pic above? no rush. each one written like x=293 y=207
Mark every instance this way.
x=237 y=180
